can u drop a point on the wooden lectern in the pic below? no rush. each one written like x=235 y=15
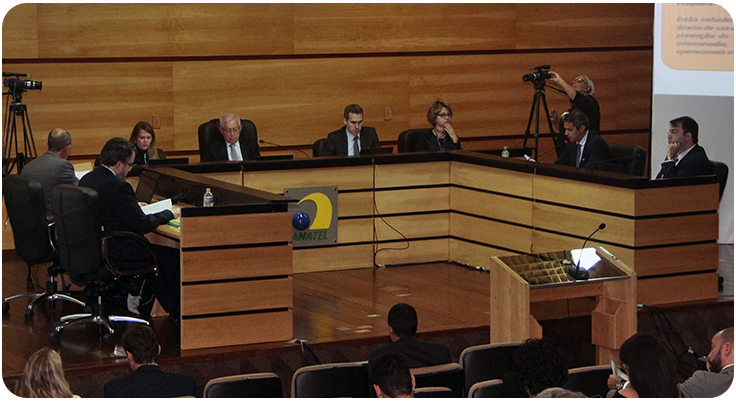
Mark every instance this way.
x=517 y=281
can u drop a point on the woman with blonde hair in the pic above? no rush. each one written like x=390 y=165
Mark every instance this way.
x=144 y=140
x=442 y=136
x=44 y=375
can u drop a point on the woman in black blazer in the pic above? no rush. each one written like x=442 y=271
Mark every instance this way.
x=442 y=137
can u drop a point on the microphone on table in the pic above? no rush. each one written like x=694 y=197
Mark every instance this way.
x=280 y=146
x=545 y=152
x=574 y=271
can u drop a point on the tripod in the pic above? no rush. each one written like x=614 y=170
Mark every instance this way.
x=16 y=110
x=539 y=97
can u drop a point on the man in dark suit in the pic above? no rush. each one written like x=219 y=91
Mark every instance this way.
x=147 y=380
x=119 y=211
x=391 y=377
x=52 y=168
x=349 y=141
x=402 y=330
x=584 y=147
x=685 y=158
x=239 y=141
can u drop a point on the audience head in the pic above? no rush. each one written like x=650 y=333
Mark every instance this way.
x=141 y=345
x=144 y=138
x=583 y=84
x=539 y=365
x=118 y=154
x=44 y=375
x=353 y=118
x=391 y=376
x=721 y=350
x=402 y=320
x=60 y=142
x=576 y=124
x=230 y=127
x=683 y=130
x=645 y=361
x=559 y=392
x=439 y=113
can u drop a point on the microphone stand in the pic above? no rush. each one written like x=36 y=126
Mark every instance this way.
x=575 y=271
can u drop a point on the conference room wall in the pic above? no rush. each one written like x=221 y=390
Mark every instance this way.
x=107 y=66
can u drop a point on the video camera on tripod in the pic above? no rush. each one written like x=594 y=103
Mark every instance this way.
x=16 y=87
x=538 y=75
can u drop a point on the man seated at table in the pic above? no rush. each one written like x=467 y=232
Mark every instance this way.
x=119 y=211
x=685 y=158
x=349 y=141
x=241 y=143
x=584 y=147
x=402 y=330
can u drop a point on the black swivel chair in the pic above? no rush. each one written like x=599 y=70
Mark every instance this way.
x=589 y=380
x=721 y=171
x=346 y=379
x=487 y=362
x=83 y=252
x=626 y=159
x=26 y=206
x=450 y=375
x=318 y=148
x=408 y=139
x=209 y=132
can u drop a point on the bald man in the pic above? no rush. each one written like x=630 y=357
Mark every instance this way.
x=719 y=376
x=52 y=168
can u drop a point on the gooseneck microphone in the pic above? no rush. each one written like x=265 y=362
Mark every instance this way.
x=575 y=271
x=546 y=151
x=281 y=146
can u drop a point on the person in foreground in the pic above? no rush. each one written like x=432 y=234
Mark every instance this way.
x=147 y=380
x=645 y=361
x=538 y=365
x=685 y=158
x=52 y=168
x=349 y=141
x=391 y=377
x=43 y=376
x=119 y=211
x=719 y=376
x=144 y=139
x=240 y=141
x=402 y=330
x=585 y=147
x=442 y=136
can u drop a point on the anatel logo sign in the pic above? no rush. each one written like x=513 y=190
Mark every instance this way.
x=314 y=217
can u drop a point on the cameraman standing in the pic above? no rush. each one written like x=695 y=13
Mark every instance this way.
x=580 y=91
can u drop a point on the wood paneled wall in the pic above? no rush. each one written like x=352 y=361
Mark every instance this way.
x=292 y=68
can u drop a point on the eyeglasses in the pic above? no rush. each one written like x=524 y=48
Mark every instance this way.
x=231 y=130
x=131 y=165
x=443 y=115
x=578 y=80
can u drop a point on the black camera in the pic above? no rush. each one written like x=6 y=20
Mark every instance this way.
x=20 y=85
x=538 y=74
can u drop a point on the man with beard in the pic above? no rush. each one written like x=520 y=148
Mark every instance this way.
x=718 y=378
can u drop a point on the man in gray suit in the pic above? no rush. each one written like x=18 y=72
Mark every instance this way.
x=52 y=168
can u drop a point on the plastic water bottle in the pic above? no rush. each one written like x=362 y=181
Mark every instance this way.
x=209 y=199
x=505 y=152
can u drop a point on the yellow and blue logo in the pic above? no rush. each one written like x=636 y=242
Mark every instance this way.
x=314 y=217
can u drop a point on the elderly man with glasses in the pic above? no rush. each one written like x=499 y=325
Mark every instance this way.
x=241 y=141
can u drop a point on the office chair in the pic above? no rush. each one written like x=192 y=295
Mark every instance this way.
x=26 y=206
x=450 y=375
x=331 y=380
x=408 y=139
x=433 y=392
x=589 y=380
x=209 y=134
x=721 y=171
x=84 y=254
x=487 y=389
x=626 y=159
x=487 y=362
x=318 y=148
x=255 y=385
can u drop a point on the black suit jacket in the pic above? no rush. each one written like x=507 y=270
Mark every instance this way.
x=428 y=142
x=119 y=209
x=596 y=149
x=694 y=163
x=149 y=381
x=216 y=149
x=418 y=354
x=337 y=141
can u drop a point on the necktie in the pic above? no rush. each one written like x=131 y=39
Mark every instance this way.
x=579 y=156
x=233 y=153
x=356 y=146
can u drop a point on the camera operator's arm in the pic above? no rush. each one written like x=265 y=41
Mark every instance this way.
x=556 y=78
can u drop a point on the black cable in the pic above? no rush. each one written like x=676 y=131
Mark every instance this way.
x=667 y=331
x=375 y=232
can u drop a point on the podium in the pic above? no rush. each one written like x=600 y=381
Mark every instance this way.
x=517 y=281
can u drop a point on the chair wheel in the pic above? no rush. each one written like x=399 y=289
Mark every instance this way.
x=55 y=337
x=6 y=307
x=28 y=314
x=108 y=338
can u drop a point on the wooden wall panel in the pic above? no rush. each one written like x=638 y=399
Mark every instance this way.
x=492 y=206
x=224 y=264
x=20 y=32
x=237 y=296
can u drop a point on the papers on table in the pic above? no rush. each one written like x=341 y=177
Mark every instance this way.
x=160 y=206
